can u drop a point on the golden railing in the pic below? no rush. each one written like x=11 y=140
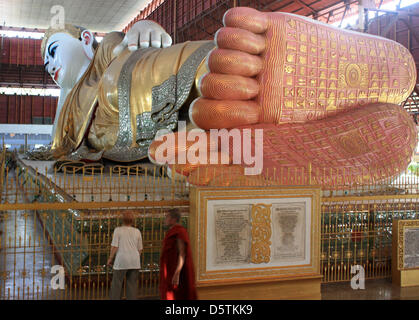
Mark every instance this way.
x=358 y=232
x=42 y=225
x=80 y=243
x=67 y=218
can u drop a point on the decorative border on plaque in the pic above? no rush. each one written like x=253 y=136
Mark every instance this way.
x=261 y=233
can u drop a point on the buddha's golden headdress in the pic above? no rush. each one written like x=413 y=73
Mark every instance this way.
x=70 y=29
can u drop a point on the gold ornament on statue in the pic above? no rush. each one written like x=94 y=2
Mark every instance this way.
x=70 y=29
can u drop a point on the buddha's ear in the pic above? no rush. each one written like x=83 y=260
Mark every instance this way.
x=87 y=43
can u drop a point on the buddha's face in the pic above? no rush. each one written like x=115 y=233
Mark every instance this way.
x=67 y=58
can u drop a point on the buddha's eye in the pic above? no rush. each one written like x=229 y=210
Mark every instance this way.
x=51 y=49
x=52 y=53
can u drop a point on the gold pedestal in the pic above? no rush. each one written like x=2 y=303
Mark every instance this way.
x=264 y=275
x=405 y=278
x=307 y=288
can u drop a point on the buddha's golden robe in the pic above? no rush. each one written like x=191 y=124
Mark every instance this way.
x=120 y=102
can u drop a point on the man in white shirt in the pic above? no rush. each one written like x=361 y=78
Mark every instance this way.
x=127 y=245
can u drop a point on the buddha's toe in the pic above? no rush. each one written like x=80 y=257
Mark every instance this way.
x=234 y=62
x=246 y=18
x=240 y=39
x=185 y=151
x=228 y=87
x=216 y=114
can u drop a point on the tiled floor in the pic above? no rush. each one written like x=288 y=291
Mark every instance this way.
x=380 y=289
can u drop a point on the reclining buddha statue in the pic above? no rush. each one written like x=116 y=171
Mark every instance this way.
x=327 y=99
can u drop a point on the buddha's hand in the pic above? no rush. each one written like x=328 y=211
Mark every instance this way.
x=144 y=33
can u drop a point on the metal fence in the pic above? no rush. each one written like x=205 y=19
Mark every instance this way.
x=67 y=218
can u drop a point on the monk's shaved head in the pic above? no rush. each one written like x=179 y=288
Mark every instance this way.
x=174 y=214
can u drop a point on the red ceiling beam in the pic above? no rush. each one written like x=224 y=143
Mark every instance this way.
x=314 y=12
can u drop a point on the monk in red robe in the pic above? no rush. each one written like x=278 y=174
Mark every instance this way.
x=177 y=277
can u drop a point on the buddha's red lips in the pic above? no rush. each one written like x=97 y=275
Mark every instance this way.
x=56 y=74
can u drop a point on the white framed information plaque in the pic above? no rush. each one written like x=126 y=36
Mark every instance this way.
x=252 y=234
x=405 y=257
